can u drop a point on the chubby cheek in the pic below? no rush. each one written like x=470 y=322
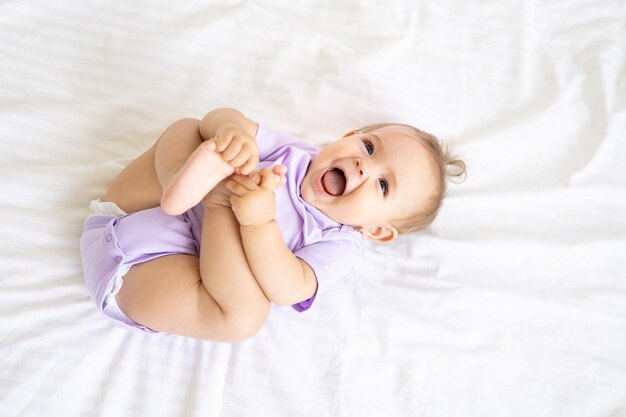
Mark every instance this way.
x=353 y=209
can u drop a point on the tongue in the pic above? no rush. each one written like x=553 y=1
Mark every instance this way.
x=334 y=182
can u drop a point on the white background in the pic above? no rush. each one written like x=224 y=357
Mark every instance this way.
x=512 y=304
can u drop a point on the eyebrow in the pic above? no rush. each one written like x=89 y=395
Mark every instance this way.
x=393 y=181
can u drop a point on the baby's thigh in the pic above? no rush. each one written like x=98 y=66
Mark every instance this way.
x=166 y=294
x=137 y=186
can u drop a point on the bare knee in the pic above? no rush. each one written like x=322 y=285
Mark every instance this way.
x=245 y=323
x=183 y=127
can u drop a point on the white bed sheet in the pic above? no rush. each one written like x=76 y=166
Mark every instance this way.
x=512 y=304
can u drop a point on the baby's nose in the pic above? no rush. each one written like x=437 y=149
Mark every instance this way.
x=361 y=167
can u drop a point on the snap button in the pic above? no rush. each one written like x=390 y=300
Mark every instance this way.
x=118 y=258
x=108 y=237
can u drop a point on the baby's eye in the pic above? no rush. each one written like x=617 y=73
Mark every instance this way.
x=369 y=146
x=383 y=186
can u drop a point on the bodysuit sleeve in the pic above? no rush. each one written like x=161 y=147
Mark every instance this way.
x=330 y=259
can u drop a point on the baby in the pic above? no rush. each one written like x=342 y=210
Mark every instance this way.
x=222 y=217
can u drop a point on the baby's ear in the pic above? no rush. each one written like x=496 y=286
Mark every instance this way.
x=381 y=233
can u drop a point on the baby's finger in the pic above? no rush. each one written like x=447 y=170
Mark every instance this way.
x=241 y=158
x=269 y=180
x=222 y=141
x=248 y=167
x=210 y=144
x=232 y=150
x=279 y=169
x=255 y=177
x=235 y=188
x=245 y=182
x=235 y=201
x=250 y=164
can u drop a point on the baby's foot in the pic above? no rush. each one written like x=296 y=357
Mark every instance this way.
x=202 y=171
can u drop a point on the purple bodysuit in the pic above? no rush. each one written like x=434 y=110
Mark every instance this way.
x=113 y=241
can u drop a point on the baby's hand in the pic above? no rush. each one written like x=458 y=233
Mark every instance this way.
x=278 y=170
x=252 y=199
x=237 y=148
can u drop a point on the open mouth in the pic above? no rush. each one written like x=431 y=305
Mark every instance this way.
x=334 y=182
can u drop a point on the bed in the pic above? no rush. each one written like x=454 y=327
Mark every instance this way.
x=512 y=303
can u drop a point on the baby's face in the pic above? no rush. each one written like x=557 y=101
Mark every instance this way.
x=370 y=179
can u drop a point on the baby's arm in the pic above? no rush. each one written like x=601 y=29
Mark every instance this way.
x=284 y=278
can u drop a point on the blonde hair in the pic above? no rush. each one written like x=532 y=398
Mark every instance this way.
x=446 y=166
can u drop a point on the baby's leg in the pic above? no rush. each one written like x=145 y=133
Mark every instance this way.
x=140 y=185
x=187 y=167
x=214 y=297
